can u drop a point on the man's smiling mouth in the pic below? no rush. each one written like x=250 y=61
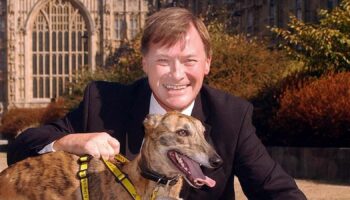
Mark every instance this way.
x=175 y=86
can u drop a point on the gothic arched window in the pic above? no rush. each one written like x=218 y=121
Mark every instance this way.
x=118 y=26
x=134 y=25
x=59 y=48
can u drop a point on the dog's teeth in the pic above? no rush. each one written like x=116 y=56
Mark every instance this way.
x=177 y=156
x=179 y=159
x=182 y=163
x=188 y=171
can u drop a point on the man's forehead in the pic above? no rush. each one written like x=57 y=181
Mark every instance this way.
x=165 y=48
x=178 y=42
x=181 y=48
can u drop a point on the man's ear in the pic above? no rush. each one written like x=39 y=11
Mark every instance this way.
x=207 y=66
x=144 y=65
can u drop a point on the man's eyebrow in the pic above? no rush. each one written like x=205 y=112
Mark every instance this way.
x=190 y=55
x=161 y=55
x=164 y=55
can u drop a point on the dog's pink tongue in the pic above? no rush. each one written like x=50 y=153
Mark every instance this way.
x=196 y=173
x=208 y=181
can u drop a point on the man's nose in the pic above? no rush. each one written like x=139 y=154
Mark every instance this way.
x=178 y=70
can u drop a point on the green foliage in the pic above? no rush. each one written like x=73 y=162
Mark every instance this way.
x=243 y=66
x=323 y=47
x=313 y=112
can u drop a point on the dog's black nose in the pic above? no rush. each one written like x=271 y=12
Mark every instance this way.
x=215 y=161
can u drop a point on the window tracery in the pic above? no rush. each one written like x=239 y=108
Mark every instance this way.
x=59 y=48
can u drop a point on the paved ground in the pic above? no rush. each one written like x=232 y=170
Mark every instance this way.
x=3 y=163
x=313 y=190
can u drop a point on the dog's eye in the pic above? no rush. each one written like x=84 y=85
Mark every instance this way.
x=183 y=132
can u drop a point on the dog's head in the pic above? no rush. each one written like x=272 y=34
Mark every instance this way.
x=175 y=145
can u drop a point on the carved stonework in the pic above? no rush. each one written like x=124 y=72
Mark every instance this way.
x=107 y=26
x=20 y=23
x=11 y=52
x=107 y=45
x=97 y=24
x=25 y=42
x=22 y=31
x=107 y=8
x=11 y=8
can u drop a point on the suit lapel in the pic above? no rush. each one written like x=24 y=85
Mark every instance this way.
x=201 y=112
x=138 y=111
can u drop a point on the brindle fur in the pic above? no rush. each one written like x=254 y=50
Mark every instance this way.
x=53 y=175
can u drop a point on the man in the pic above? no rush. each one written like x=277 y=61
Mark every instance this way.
x=176 y=57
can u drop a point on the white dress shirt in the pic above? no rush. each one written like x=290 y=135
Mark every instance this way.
x=156 y=108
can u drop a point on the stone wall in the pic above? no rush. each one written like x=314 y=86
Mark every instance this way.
x=325 y=164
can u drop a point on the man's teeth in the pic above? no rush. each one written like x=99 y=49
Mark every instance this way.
x=181 y=162
x=175 y=87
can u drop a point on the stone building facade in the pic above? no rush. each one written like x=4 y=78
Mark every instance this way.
x=255 y=16
x=45 y=43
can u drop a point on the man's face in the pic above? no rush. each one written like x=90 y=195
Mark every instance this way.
x=176 y=73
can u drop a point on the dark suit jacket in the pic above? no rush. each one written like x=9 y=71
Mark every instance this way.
x=121 y=109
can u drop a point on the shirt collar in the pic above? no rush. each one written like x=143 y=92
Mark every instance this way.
x=156 y=108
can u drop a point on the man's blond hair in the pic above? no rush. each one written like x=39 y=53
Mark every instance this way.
x=168 y=26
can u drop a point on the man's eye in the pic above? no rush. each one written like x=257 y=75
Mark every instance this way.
x=183 y=132
x=163 y=62
x=190 y=62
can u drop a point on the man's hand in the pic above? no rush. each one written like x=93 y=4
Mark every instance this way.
x=95 y=144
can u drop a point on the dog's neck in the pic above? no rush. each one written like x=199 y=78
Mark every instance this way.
x=146 y=186
x=150 y=174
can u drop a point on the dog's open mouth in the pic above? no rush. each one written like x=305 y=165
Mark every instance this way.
x=191 y=170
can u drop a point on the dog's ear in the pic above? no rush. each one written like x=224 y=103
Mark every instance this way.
x=200 y=127
x=151 y=121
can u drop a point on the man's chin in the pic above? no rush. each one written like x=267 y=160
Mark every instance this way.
x=178 y=103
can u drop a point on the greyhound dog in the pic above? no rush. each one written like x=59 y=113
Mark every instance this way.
x=173 y=149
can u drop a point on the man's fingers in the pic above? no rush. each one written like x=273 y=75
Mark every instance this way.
x=94 y=152
x=109 y=152
x=104 y=152
x=108 y=147
x=115 y=147
x=95 y=144
x=114 y=143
